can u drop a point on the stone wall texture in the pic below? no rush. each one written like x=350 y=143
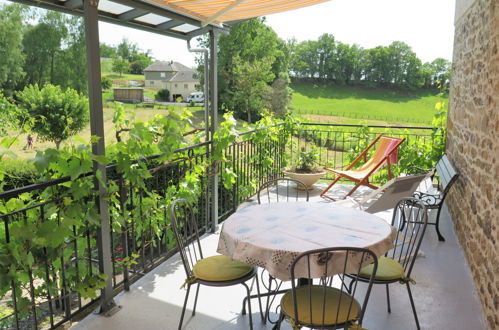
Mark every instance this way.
x=473 y=147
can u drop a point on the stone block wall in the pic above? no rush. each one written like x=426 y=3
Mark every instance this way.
x=473 y=145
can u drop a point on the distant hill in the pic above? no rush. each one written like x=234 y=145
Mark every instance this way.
x=416 y=107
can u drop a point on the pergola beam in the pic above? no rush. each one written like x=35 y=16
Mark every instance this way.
x=132 y=14
x=168 y=25
x=73 y=4
x=107 y=304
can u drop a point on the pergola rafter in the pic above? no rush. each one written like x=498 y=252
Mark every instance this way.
x=135 y=14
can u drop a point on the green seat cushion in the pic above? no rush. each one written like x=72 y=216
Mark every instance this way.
x=220 y=268
x=348 y=306
x=388 y=269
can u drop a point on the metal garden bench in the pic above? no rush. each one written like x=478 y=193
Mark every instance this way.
x=435 y=199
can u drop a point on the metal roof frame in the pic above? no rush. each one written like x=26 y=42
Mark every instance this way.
x=131 y=18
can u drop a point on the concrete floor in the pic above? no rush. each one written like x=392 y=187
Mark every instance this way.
x=444 y=295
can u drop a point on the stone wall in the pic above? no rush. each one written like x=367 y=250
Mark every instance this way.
x=473 y=145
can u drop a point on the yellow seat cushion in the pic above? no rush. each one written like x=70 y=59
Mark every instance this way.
x=332 y=301
x=388 y=269
x=220 y=268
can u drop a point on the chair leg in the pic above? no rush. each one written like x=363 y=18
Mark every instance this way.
x=388 y=298
x=350 y=286
x=277 y=326
x=412 y=305
x=195 y=300
x=338 y=177
x=183 y=308
x=259 y=299
x=249 y=305
x=353 y=189
x=437 y=226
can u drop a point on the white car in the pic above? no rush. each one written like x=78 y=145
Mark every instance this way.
x=196 y=97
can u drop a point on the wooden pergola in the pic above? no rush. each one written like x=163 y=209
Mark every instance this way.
x=182 y=19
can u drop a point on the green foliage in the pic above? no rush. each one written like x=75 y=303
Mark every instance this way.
x=57 y=114
x=307 y=159
x=120 y=66
x=393 y=66
x=107 y=50
x=11 y=65
x=55 y=51
x=106 y=83
x=251 y=57
x=17 y=173
x=141 y=62
x=8 y=114
x=162 y=95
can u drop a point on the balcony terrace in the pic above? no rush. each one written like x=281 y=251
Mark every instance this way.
x=444 y=294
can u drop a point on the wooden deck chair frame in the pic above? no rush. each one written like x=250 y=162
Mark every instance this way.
x=364 y=180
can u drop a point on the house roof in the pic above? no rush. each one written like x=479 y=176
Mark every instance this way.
x=184 y=76
x=165 y=66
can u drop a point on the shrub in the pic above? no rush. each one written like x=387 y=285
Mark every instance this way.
x=56 y=114
x=106 y=83
x=162 y=95
x=17 y=173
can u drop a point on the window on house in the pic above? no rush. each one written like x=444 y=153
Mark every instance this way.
x=176 y=85
x=151 y=83
x=162 y=75
x=186 y=86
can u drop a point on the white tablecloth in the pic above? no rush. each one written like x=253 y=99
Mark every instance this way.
x=273 y=235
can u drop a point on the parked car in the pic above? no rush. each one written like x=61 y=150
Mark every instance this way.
x=196 y=97
x=134 y=83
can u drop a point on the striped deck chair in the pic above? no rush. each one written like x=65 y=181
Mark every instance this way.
x=384 y=154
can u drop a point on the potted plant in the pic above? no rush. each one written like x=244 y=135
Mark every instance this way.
x=305 y=169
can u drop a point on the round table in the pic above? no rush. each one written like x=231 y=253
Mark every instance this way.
x=273 y=235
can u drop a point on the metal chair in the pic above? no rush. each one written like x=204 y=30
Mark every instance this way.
x=282 y=189
x=322 y=305
x=410 y=218
x=218 y=271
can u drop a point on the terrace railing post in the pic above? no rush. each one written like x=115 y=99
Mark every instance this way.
x=214 y=123
x=107 y=304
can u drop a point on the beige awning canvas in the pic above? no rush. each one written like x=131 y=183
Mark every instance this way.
x=220 y=11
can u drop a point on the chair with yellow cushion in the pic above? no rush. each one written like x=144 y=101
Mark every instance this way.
x=326 y=304
x=219 y=270
x=410 y=218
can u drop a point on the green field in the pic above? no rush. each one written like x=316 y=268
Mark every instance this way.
x=384 y=105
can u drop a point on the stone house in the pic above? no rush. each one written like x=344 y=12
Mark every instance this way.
x=179 y=79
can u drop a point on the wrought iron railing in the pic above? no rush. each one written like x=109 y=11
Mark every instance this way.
x=46 y=300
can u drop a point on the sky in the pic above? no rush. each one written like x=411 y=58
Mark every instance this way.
x=425 y=25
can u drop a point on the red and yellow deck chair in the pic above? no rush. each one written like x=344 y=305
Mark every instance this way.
x=384 y=154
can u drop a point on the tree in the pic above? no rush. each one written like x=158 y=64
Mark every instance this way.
x=56 y=114
x=71 y=62
x=42 y=45
x=107 y=50
x=250 y=58
x=142 y=61
x=120 y=66
x=12 y=58
x=251 y=81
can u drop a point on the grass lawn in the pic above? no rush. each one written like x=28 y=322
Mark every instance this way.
x=363 y=103
x=141 y=114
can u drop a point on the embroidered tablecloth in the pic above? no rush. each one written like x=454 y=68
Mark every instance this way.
x=273 y=235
